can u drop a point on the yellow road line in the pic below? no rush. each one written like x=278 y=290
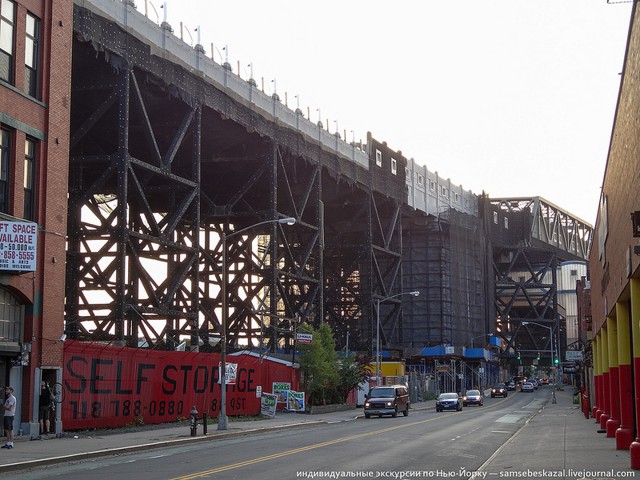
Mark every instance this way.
x=298 y=450
x=307 y=448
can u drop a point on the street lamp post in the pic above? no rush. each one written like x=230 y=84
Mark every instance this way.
x=553 y=392
x=222 y=417
x=378 y=301
x=480 y=379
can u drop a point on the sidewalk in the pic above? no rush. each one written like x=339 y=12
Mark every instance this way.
x=560 y=439
x=556 y=438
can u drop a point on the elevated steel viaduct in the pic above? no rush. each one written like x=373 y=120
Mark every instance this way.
x=170 y=149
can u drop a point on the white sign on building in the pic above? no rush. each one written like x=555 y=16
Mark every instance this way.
x=573 y=355
x=18 y=245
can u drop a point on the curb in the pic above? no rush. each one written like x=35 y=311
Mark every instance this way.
x=44 y=462
x=12 y=467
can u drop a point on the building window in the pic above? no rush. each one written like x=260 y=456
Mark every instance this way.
x=573 y=273
x=506 y=223
x=432 y=185
x=420 y=180
x=394 y=166
x=7 y=27
x=29 y=179
x=456 y=197
x=5 y=158
x=408 y=174
x=443 y=190
x=378 y=158
x=495 y=217
x=11 y=318
x=31 y=55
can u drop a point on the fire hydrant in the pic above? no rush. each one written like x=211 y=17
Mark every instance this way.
x=194 y=421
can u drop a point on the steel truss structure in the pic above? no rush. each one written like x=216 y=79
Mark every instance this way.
x=528 y=317
x=161 y=163
x=529 y=238
x=551 y=225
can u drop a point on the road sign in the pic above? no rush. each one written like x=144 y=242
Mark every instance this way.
x=231 y=373
x=304 y=337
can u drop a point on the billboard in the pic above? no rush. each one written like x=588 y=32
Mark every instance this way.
x=110 y=386
x=18 y=245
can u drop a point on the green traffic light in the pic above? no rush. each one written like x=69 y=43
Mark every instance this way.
x=555 y=361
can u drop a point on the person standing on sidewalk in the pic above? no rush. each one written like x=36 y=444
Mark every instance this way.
x=9 y=414
x=44 y=408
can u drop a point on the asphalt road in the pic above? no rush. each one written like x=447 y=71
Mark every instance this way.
x=450 y=443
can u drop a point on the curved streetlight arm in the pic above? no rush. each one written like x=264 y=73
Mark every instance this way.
x=380 y=300
x=415 y=293
x=287 y=220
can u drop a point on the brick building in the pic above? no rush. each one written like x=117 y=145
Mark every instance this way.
x=35 y=78
x=615 y=269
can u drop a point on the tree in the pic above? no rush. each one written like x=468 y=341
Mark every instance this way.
x=326 y=378
x=353 y=371
x=318 y=365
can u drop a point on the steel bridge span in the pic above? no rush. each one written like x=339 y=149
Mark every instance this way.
x=170 y=149
x=165 y=157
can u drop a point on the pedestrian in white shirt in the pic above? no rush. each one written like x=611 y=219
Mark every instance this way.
x=9 y=414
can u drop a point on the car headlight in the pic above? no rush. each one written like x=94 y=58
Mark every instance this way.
x=493 y=391
x=464 y=398
x=389 y=404
x=366 y=404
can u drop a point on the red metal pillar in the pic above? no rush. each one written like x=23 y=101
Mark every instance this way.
x=624 y=434
x=614 y=378
x=634 y=448
x=606 y=392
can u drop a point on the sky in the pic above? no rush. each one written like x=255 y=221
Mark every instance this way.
x=514 y=98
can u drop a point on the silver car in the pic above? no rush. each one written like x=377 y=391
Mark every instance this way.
x=527 y=387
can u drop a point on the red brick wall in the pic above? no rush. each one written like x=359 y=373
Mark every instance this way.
x=621 y=186
x=44 y=288
x=53 y=178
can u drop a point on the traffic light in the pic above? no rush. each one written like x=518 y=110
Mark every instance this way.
x=517 y=355
x=556 y=361
x=538 y=356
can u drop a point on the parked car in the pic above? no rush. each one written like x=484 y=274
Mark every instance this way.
x=527 y=387
x=449 y=401
x=499 y=390
x=472 y=397
x=387 y=400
